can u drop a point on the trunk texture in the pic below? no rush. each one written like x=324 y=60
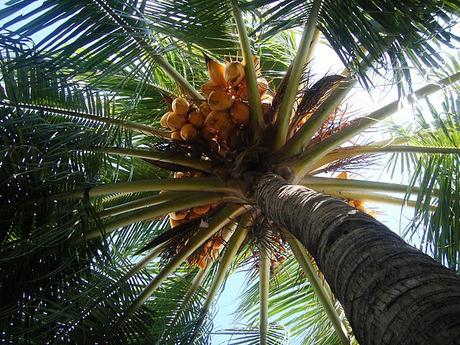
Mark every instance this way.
x=392 y=293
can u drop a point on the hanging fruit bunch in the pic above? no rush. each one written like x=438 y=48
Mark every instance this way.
x=214 y=122
x=226 y=109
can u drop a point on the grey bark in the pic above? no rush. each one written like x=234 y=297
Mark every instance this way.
x=392 y=293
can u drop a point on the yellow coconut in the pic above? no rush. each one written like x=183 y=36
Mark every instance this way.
x=209 y=87
x=242 y=90
x=205 y=109
x=234 y=73
x=343 y=175
x=239 y=113
x=180 y=106
x=262 y=85
x=188 y=132
x=164 y=120
x=196 y=118
x=208 y=133
x=200 y=210
x=193 y=215
x=216 y=72
x=220 y=100
x=359 y=204
x=174 y=222
x=175 y=121
x=176 y=135
x=179 y=174
x=179 y=215
x=219 y=121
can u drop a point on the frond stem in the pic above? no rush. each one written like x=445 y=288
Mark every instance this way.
x=222 y=218
x=224 y=264
x=369 y=196
x=309 y=128
x=347 y=152
x=264 y=286
x=184 y=161
x=257 y=119
x=151 y=212
x=145 y=46
x=357 y=185
x=284 y=113
x=319 y=288
x=137 y=127
x=192 y=184
x=141 y=203
x=194 y=286
x=302 y=165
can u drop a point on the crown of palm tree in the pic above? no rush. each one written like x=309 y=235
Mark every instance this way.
x=117 y=230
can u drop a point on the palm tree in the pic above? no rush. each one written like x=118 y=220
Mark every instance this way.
x=89 y=177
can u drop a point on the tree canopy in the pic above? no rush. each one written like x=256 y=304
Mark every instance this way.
x=88 y=175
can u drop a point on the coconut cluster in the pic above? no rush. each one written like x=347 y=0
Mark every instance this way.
x=178 y=217
x=225 y=110
x=214 y=121
x=211 y=248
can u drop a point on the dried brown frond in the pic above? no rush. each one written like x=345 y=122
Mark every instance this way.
x=265 y=237
x=279 y=94
x=312 y=98
x=336 y=121
x=168 y=98
x=173 y=236
x=348 y=164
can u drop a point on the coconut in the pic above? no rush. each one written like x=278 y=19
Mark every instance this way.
x=262 y=85
x=242 y=90
x=200 y=210
x=196 y=118
x=220 y=122
x=179 y=215
x=220 y=100
x=234 y=73
x=208 y=133
x=239 y=113
x=176 y=135
x=180 y=106
x=359 y=204
x=209 y=87
x=175 y=121
x=205 y=109
x=174 y=222
x=193 y=215
x=188 y=132
x=179 y=174
x=343 y=175
x=164 y=120
x=216 y=72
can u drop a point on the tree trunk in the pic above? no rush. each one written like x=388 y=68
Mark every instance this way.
x=391 y=292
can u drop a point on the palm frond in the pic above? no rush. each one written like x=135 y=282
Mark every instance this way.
x=438 y=182
x=405 y=31
x=292 y=301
